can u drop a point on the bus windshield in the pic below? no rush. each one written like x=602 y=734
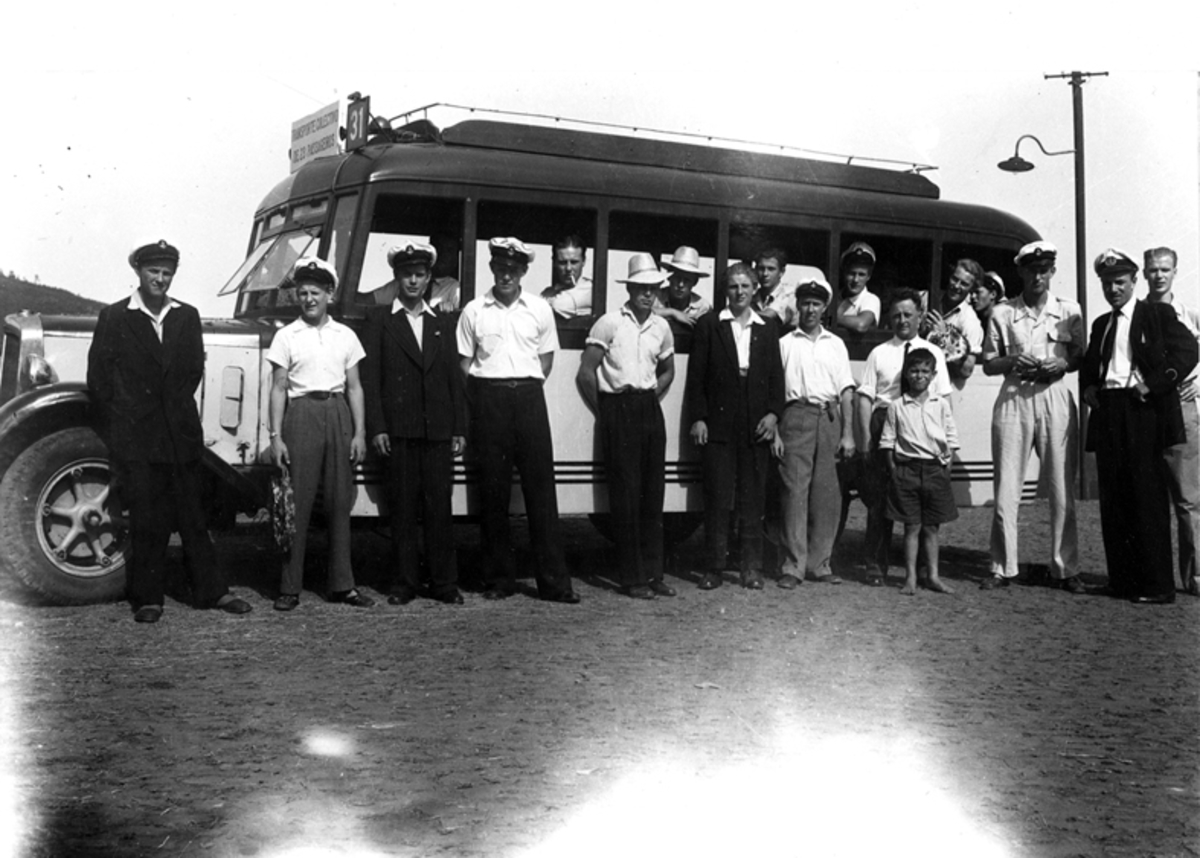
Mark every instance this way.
x=258 y=280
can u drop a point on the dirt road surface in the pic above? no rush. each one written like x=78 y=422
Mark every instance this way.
x=825 y=721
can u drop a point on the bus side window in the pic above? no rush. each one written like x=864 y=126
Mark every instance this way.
x=398 y=220
x=661 y=236
x=806 y=251
x=569 y=288
x=899 y=263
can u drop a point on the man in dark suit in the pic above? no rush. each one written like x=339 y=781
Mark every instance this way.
x=734 y=397
x=416 y=419
x=1135 y=360
x=144 y=366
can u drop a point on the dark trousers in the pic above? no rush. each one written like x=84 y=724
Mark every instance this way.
x=420 y=483
x=510 y=427
x=166 y=497
x=317 y=433
x=633 y=438
x=1135 y=512
x=877 y=544
x=735 y=482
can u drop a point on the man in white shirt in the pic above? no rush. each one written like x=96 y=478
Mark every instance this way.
x=1035 y=341
x=570 y=293
x=817 y=428
x=859 y=309
x=317 y=427
x=506 y=345
x=627 y=367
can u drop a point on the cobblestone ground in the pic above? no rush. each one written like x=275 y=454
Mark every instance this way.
x=823 y=721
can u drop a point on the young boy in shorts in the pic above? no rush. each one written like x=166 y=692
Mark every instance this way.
x=918 y=435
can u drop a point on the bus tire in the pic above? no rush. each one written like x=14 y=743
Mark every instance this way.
x=60 y=537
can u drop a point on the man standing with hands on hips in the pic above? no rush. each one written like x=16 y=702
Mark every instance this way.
x=1137 y=356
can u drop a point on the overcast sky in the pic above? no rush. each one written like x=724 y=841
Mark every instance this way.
x=128 y=123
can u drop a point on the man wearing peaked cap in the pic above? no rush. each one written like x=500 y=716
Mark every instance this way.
x=1183 y=460
x=158 y=251
x=628 y=364
x=860 y=309
x=1034 y=341
x=417 y=422
x=1137 y=356
x=144 y=366
x=506 y=344
x=678 y=303
x=317 y=427
x=816 y=429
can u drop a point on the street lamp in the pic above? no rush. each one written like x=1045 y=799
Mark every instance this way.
x=1017 y=164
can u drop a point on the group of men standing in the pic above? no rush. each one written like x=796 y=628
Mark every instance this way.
x=419 y=381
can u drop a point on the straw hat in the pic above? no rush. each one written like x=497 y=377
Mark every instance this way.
x=644 y=271
x=686 y=261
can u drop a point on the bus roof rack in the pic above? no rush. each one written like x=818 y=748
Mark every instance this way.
x=653 y=147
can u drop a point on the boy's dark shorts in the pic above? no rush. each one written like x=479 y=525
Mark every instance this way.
x=920 y=493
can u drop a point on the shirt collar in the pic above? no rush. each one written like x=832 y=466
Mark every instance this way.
x=397 y=307
x=821 y=334
x=1053 y=307
x=726 y=315
x=928 y=396
x=628 y=313
x=489 y=297
x=136 y=303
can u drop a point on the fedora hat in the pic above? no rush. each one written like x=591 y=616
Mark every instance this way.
x=643 y=271
x=686 y=260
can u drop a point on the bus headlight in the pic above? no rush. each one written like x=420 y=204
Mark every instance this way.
x=38 y=372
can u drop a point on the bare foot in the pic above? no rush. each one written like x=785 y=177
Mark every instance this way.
x=937 y=586
x=909 y=588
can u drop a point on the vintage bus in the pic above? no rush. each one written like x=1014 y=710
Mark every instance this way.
x=459 y=187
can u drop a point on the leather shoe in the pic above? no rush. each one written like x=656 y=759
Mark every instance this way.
x=828 y=578
x=448 y=597
x=148 y=614
x=563 y=597
x=231 y=604
x=711 y=581
x=1193 y=587
x=287 y=602
x=401 y=597
x=495 y=594
x=752 y=580
x=639 y=592
x=996 y=582
x=788 y=582
x=353 y=598
x=1073 y=585
x=1158 y=599
x=660 y=588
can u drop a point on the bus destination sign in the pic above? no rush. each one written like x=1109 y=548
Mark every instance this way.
x=315 y=136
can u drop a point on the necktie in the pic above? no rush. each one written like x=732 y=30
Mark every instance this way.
x=1106 y=345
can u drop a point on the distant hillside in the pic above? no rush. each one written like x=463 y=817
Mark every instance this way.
x=17 y=295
